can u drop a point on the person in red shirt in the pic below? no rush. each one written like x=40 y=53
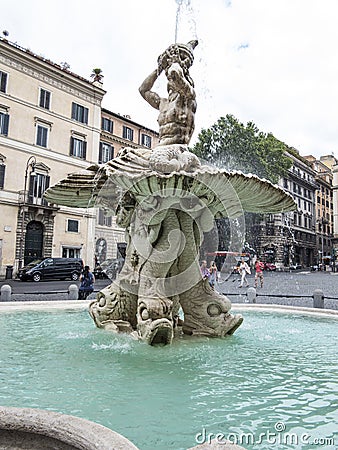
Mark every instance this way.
x=259 y=267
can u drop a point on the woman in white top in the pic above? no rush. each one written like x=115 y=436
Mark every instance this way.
x=244 y=269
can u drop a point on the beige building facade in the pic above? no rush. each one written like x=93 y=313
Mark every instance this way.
x=50 y=125
x=324 y=206
x=117 y=132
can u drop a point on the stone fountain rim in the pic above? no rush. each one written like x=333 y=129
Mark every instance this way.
x=301 y=310
x=66 y=429
x=55 y=305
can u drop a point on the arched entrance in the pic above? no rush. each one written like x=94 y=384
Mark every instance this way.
x=33 y=242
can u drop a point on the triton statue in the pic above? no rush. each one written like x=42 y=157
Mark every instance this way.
x=166 y=201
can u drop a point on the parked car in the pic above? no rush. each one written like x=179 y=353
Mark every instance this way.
x=52 y=268
x=269 y=267
x=295 y=266
x=109 y=268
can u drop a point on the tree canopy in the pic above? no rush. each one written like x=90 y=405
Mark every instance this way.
x=231 y=145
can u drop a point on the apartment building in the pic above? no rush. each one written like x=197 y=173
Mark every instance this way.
x=324 y=206
x=290 y=238
x=117 y=131
x=50 y=125
x=335 y=213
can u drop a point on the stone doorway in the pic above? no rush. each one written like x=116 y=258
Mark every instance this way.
x=33 y=242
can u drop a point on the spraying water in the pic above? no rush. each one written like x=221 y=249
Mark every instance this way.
x=185 y=26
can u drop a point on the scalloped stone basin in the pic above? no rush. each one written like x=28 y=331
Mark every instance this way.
x=34 y=429
x=278 y=368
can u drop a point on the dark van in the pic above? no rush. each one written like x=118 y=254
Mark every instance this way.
x=52 y=268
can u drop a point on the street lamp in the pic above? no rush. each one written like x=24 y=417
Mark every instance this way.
x=30 y=163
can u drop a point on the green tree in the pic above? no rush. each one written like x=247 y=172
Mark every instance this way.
x=232 y=145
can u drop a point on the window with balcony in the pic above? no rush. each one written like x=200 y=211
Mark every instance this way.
x=38 y=184
x=41 y=136
x=107 y=124
x=106 y=152
x=4 y=121
x=44 y=100
x=79 y=113
x=78 y=148
x=3 y=81
x=128 y=133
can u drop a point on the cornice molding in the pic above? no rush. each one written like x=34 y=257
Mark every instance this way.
x=45 y=75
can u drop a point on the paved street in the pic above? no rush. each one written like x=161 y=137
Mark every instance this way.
x=30 y=287
x=286 y=283
x=275 y=283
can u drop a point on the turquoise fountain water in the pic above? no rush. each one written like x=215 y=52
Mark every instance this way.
x=279 y=370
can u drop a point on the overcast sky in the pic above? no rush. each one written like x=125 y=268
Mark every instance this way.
x=273 y=62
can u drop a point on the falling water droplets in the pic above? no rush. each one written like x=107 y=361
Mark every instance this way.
x=185 y=26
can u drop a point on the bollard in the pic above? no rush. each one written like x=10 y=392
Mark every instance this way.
x=6 y=293
x=73 y=292
x=318 y=299
x=251 y=295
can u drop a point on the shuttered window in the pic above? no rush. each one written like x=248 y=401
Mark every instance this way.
x=4 y=121
x=79 y=113
x=78 y=148
x=107 y=125
x=106 y=152
x=44 y=99
x=41 y=136
x=3 y=81
x=38 y=184
x=128 y=133
x=2 y=175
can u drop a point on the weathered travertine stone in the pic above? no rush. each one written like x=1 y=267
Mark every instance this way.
x=33 y=429
x=166 y=200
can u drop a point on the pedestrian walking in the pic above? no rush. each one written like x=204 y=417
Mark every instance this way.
x=204 y=270
x=259 y=267
x=244 y=269
x=213 y=274
x=87 y=283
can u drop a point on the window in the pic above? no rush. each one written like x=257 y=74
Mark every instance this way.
x=146 y=140
x=78 y=148
x=41 y=136
x=79 y=113
x=285 y=183
x=104 y=220
x=128 y=133
x=4 y=120
x=44 y=99
x=38 y=184
x=3 y=81
x=71 y=252
x=106 y=152
x=73 y=226
x=107 y=125
x=2 y=175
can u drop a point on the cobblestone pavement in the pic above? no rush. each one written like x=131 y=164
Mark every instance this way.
x=285 y=283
